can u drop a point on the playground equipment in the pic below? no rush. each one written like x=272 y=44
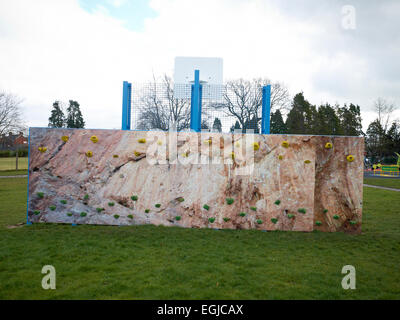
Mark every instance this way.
x=387 y=170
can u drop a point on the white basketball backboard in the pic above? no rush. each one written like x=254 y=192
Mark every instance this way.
x=210 y=75
x=210 y=69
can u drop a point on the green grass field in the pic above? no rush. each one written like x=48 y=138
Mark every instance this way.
x=148 y=262
x=9 y=163
x=382 y=182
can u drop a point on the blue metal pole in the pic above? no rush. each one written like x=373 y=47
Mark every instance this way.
x=126 y=105
x=266 y=109
x=195 y=106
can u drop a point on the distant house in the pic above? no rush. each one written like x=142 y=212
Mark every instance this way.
x=10 y=141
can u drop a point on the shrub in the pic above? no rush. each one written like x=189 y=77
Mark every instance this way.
x=211 y=220
x=274 y=220
x=130 y=216
x=336 y=217
x=242 y=214
x=157 y=205
x=83 y=214
x=111 y=204
x=253 y=208
x=40 y=195
x=229 y=200
x=36 y=212
x=290 y=216
x=177 y=218
x=302 y=210
x=116 y=216
x=63 y=201
x=259 y=221
x=226 y=219
x=52 y=208
x=277 y=202
x=134 y=198
x=318 y=223
x=69 y=214
x=206 y=206
x=325 y=211
x=147 y=210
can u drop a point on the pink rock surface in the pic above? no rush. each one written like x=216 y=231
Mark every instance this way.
x=203 y=169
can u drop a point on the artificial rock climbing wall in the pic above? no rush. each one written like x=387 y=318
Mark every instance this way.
x=196 y=180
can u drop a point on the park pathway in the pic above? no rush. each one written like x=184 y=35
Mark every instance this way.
x=17 y=176
x=379 y=187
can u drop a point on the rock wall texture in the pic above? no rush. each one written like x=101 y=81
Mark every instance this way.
x=196 y=180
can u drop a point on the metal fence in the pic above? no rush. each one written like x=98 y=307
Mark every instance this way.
x=223 y=108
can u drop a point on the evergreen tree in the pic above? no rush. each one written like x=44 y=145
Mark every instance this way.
x=74 y=115
x=217 y=125
x=302 y=117
x=375 y=141
x=252 y=124
x=327 y=122
x=57 y=118
x=235 y=127
x=350 y=120
x=277 y=125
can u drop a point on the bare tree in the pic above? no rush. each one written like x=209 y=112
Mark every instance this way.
x=243 y=99
x=160 y=108
x=384 y=110
x=10 y=113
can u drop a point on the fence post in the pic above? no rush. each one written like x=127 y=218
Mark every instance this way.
x=266 y=109
x=195 y=106
x=126 y=105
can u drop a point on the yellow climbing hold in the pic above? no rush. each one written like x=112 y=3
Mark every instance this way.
x=307 y=161
x=94 y=139
x=328 y=145
x=285 y=144
x=209 y=141
x=237 y=144
x=350 y=158
x=64 y=138
x=115 y=156
x=256 y=146
x=280 y=157
x=137 y=153
x=159 y=142
x=142 y=140
x=89 y=154
x=232 y=155
x=42 y=149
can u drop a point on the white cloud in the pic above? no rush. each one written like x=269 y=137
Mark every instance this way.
x=56 y=50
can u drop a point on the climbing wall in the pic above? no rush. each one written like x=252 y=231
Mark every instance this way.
x=195 y=180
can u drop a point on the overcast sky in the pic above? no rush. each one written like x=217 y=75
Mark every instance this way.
x=83 y=50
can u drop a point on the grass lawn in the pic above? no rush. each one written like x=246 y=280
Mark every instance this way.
x=149 y=262
x=9 y=163
x=13 y=172
x=383 y=182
